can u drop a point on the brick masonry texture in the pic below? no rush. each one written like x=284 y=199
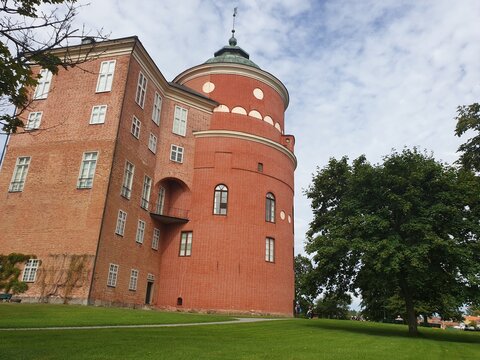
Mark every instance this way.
x=74 y=229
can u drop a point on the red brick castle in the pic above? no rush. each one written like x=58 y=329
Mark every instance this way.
x=127 y=189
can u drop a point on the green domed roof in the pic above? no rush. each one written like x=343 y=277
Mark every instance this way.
x=232 y=54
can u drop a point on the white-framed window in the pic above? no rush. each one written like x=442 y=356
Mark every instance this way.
x=160 y=200
x=112 y=275
x=30 y=270
x=141 y=90
x=19 y=174
x=269 y=249
x=180 y=121
x=132 y=285
x=105 y=77
x=156 y=238
x=157 y=108
x=34 y=120
x=176 y=153
x=140 y=232
x=186 y=243
x=147 y=187
x=220 y=200
x=127 y=180
x=152 y=143
x=87 y=170
x=43 y=86
x=121 y=221
x=270 y=208
x=98 y=114
x=136 y=124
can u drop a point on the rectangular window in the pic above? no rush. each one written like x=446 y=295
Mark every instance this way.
x=180 y=121
x=87 y=170
x=105 y=77
x=98 y=114
x=30 y=271
x=112 y=275
x=132 y=285
x=127 y=180
x=147 y=187
x=160 y=200
x=43 y=86
x=34 y=120
x=141 y=90
x=156 y=238
x=140 y=232
x=186 y=243
x=19 y=174
x=176 y=153
x=121 y=221
x=269 y=249
x=157 y=108
x=152 y=143
x=136 y=124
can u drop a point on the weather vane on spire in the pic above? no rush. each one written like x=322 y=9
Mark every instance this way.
x=233 y=41
x=234 y=15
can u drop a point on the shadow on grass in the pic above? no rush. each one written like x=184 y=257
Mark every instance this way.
x=390 y=330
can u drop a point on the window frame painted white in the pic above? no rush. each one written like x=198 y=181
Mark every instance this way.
x=132 y=284
x=19 y=175
x=186 y=239
x=127 y=183
x=270 y=207
x=146 y=192
x=180 y=121
x=157 y=108
x=176 y=153
x=87 y=167
x=220 y=200
x=269 y=249
x=98 y=114
x=43 y=85
x=34 y=120
x=141 y=90
x=136 y=127
x=105 y=76
x=152 y=143
x=140 y=235
x=30 y=270
x=121 y=222
x=112 y=275
x=155 y=238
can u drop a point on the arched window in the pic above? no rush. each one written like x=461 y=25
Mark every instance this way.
x=220 y=200
x=270 y=208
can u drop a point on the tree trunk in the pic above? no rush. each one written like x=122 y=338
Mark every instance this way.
x=411 y=317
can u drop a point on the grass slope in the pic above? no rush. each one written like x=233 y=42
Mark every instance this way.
x=283 y=339
x=45 y=315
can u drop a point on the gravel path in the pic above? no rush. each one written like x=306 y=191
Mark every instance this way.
x=236 y=321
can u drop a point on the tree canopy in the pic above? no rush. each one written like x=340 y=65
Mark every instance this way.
x=468 y=118
x=29 y=30
x=407 y=227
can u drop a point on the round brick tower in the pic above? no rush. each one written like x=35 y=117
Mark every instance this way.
x=241 y=212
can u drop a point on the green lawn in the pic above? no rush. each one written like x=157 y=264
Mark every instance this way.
x=282 y=339
x=44 y=315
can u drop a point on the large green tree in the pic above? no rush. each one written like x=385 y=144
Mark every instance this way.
x=305 y=290
x=29 y=30
x=468 y=119
x=408 y=227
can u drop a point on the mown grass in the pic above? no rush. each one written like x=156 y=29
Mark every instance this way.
x=281 y=339
x=45 y=315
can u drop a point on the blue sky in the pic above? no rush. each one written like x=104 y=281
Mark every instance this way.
x=364 y=76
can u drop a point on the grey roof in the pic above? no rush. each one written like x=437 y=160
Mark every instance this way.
x=232 y=54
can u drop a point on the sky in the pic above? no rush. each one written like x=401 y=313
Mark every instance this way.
x=364 y=77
